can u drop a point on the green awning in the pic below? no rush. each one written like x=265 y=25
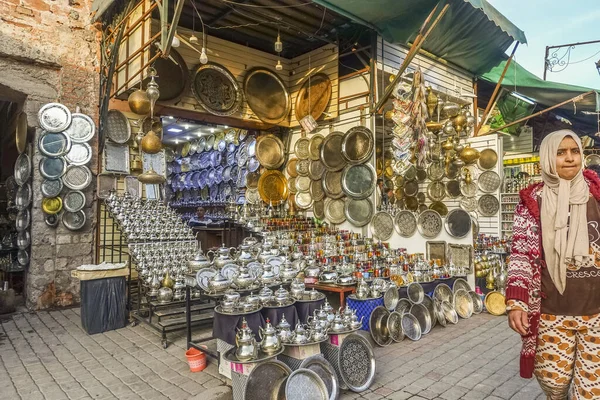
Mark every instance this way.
x=547 y=93
x=472 y=34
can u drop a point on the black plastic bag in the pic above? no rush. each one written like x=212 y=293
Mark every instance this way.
x=103 y=304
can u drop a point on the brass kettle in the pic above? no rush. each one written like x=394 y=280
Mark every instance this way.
x=468 y=176
x=469 y=154
x=151 y=143
x=139 y=102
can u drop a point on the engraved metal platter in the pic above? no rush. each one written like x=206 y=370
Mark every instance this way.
x=405 y=223
x=358 y=212
x=319 y=209
x=316 y=169
x=411 y=188
x=316 y=190
x=73 y=220
x=436 y=250
x=117 y=127
x=303 y=200
x=332 y=184
x=54 y=117
x=449 y=312
x=458 y=223
x=82 y=128
x=411 y=203
x=291 y=167
x=267 y=381
x=359 y=180
x=272 y=187
x=378 y=326
x=52 y=168
x=439 y=207
x=356 y=362
x=460 y=283
x=461 y=255
x=270 y=151
x=442 y=292
x=23 y=220
x=267 y=95
x=489 y=181
x=435 y=171
x=80 y=154
x=334 y=210
x=74 y=201
x=325 y=370
x=468 y=203
x=116 y=158
x=216 y=89
x=429 y=224
x=394 y=326
x=301 y=148
x=411 y=327
x=302 y=183
x=77 y=177
x=54 y=144
x=436 y=191
x=477 y=302
x=463 y=304
x=303 y=381
x=22 y=170
x=453 y=189
x=422 y=315
x=468 y=189
x=488 y=159
x=331 y=152
x=313 y=97
x=357 y=145
x=382 y=225
x=421 y=174
x=291 y=183
x=488 y=205
x=24 y=196
x=303 y=167
x=314 y=147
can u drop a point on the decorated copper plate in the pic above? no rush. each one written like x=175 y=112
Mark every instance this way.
x=468 y=203
x=382 y=225
x=316 y=190
x=429 y=224
x=458 y=223
x=267 y=95
x=405 y=223
x=82 y=128
x=303 y=200
x=453 y=189
x=270 y=151
x=332 y=184
x=357 y=145
x=439 y=207
x=319 y=209
x=301 y=148
x=359 y=180
x=313 y=97
x=488 y=205
x=436 y=191
x=358 y=212
x=314 y=147
x=291 y=168
x=303 y=167
x=334 y=210
x=488 y=159
x=54 y=117
x=489 y=181
x=316 y=169
x=331 y=152
x=356 y=362
x=216 y=89
x=272 y=187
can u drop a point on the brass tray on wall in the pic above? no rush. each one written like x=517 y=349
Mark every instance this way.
x=272 y=187
x=331 y=152
x=357 y=145
x=270 y=151
x=267 y=95
x=216 y=89
x=313 y=97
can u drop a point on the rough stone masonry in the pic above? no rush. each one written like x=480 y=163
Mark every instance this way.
x=49 y=52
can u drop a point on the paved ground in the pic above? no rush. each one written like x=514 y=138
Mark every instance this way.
x=47 y=355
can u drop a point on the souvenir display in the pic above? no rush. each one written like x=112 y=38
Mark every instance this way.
x=313 y=97
x=216 y=89
x=267 y=95
x=54 y=117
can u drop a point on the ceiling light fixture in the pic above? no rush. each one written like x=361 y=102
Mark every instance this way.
x=278 y=67
x=278 y=44
x=175 y=130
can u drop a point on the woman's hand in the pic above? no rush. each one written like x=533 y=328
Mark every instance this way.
x=517 y=320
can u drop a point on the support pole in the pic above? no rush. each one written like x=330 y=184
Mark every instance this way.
x=166 y=47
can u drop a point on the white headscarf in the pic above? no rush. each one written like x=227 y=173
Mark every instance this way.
x=564 y=239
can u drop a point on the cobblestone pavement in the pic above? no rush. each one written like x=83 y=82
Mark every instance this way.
x=46 y=355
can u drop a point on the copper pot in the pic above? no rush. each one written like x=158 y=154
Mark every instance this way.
x=139 y=102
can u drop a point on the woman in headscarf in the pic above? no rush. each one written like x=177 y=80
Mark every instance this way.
x=553 y=288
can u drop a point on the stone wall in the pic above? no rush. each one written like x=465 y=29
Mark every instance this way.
x=49 y=53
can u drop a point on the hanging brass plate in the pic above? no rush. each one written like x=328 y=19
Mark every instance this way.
x=357 y=146
x=314 y=147
x=331 y=152
x=269 y=151
x=272 y=187
x=267 y=95
x=313 y=97
x=291 y=168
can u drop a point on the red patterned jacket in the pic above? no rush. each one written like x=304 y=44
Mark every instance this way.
x=524 y=270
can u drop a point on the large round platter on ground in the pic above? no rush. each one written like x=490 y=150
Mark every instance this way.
x=54 y=144
x=331 y=152
x=488 y=205
x=458 y=223
x=54 y=117
x=378 y=326
x=394 y=325
x=442 y=292
x=216 y=89
x=22 y=170
x=411 y=327
x=23 y=197
x=477 y=302
x=495 y=303
x=405 y=223
x=382 y=225
x=73 y=220
x=429 y=224
x=334 y=210
x=305 y=384
x=449 y=312
x=332 y=184
x=358 y=181
x=266 y=95
x=313 y=97
x=460 y=284
x=117 y=127
x=324 y=369
x=80 y=154
x=270 y=151
x=391 y=297
x=356 y=362
x=488 y=159
x=463 y=304
x=82 y=128
x=357 y=145
x=77 y=177
x=423 y=316
x=272 y=187
x=358 y=212
x=267 y=381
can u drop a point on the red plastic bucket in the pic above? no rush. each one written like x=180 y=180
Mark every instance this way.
x=196 y=359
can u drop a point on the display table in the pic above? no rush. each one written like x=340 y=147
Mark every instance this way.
x=307 y=308
x=224 y=325
x=364 y=308
x=331 y=288
x=274 y=314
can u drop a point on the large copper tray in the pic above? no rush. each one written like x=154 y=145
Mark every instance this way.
x=357 y=145
x=269 y=151
x=314 y=96
x=267 y=95
x=272 y=187
x=331 y=152
x=216 y=89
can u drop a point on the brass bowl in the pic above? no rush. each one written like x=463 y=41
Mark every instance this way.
x=469 y=154
x=139 y=102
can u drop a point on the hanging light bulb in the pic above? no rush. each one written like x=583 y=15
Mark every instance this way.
x=203 y=57
x=278 y=67
x=193 y=39
x=278 y=44
x=175 y=42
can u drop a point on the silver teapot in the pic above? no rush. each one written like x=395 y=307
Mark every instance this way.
x=297 y=288
x=281 y=295
x=300 y=335
x=244 y=255
x=288 y=272
x=222 y=256
x=243 y=279
x=312 y=270
x=268 y=277
x=338 y=324
x=328 y=275
x=265 y=295
x=253 y=299
x=247 y=348
x=284 y=330
x=270 y=342
x=231 y=295
x=345 y=279
x=218 y=283
x=199 y=261
x=317 y=334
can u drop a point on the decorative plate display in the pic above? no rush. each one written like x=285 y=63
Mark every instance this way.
x=54 y=144
x=267 y=95
x=468 y=204
x=301 y=148
x=429 y=224
x=314 y=147
x=334 y=210
x=411 y=326
x=80 y=154
x=74 y=201
x=216 y=89
x=489 y=181
x=77 y=177
x=356 y=362
x=73 y=220
x=357 y=145
x=405 y=223
x=332 y=184
x=303 y=167
x=325 y=370
x=303 y=200
x=270 y=151
x=468 y=189
x=453 y=189
x=82 y=128
x=436 y=191
x=488 y=159
x=316 y=190
x=359 y=181
x=358 y=212
x=313 y=97
x=382 y=225
x=272 y=187
x=461 y=255
x=316 y=170
x=436 y=171
x=116 y=158
x=331 y=152
x=303 y=381
x=488 y=205
x=54 y=117
x=458 y=223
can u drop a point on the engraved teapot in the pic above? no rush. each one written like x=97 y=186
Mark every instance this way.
x=218 y=283
x=222 y=256
x=270 y=342
x=268 y=276
x=247 y=348
x=244 y=255
x=284 y=330
x=199 y=260
x=288 y=272
x=297 y=288
x=281 y=295
x=265 y=295
x=243 y=279
x=300 y=335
